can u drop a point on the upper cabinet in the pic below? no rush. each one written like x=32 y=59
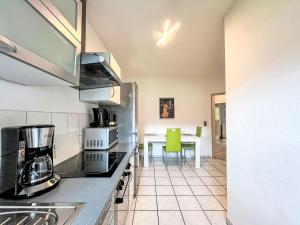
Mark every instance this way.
x=68 y=13
x=40 y=41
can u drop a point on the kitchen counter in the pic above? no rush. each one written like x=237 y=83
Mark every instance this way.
x=94 y=192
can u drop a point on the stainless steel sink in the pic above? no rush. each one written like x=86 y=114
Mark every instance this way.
x=39 y=213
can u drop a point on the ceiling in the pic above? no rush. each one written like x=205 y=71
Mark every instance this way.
x=128 y=28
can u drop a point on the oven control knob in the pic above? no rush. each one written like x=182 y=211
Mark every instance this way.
x=128 y=166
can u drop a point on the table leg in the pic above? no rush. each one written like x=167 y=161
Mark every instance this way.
x=146 y=153
x=197 y=154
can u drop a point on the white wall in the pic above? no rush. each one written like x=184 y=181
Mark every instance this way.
x=192 y=105
x=262 y=41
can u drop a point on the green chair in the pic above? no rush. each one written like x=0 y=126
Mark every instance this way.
x=150 y=148
x=173 y=143
x=191 y=146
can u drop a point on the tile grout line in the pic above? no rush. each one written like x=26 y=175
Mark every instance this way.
x=176 y=197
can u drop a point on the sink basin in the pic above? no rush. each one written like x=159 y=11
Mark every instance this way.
x=39 y=213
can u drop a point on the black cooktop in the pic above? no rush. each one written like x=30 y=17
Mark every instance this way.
x=90 y=163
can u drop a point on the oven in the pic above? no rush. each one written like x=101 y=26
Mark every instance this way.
x=122 y=195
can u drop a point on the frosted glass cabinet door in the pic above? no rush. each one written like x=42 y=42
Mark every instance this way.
x=37 y=41
x=69 y=14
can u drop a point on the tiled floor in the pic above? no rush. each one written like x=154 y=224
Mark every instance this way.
x=170 y=195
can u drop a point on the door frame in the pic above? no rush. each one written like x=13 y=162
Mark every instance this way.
x=213 y=124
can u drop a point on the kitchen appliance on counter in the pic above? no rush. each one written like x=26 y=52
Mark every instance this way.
x=100 y=138
x=112 y=119
x=101 y=118
x=26 y=159
x=39 y=213
x=90 y=164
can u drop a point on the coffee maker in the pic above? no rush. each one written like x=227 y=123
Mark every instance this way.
x=26 y=161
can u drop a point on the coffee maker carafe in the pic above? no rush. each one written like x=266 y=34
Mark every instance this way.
x=27 y=161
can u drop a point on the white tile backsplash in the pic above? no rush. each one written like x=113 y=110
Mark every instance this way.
x=38 y=118
x=60 y=120
x=74 y=123
x=85 y=120
x=68 y=137
x=66 y=146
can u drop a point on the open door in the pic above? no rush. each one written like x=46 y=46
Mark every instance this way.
x=218 y=110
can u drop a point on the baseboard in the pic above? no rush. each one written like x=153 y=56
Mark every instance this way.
x=228 y=222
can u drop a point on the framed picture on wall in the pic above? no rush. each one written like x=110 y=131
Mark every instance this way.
x=166 y=108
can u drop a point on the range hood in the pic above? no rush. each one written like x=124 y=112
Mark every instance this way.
x=98 y=70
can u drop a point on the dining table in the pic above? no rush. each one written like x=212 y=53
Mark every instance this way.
x=161 y=138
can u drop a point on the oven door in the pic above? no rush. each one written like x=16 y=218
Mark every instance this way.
x=122 y=199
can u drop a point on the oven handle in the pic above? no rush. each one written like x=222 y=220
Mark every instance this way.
x=121 y=200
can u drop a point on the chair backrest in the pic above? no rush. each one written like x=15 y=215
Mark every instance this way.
x=198 y=131
x=173 y=140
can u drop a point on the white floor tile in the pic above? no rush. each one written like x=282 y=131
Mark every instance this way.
x=200 y=190
x=178 y=181
x=147 y=181
x=162 y=181
x=189 y=173
x=146 y=190
x=210 y=181
x=145 y=218
x=208 y=168
x=160 y=168
x=186 y=168
x=209 y=203
x=182 y=190
x=188 y=203
x=217 y=218
x=216 y=173
x=217 y=190
x=203 y=173
x=161 y=173
x=146 y=203
x=164 y=190
x=167 y=203
x=195 y=218
x=222 y=180
x=129 y=219
x=222 y=200
x=147 y=174
x=170 y=218
x=194 y=181
x=173 y=173
x=173 y=168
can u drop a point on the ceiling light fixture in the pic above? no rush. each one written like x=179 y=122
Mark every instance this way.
x=167 y=31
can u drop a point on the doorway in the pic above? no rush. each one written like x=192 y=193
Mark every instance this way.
x=218 y=116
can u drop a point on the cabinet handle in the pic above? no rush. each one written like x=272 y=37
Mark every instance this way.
x=7 y=46
x=113 y=92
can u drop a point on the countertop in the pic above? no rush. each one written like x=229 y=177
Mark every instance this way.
x=94 y=192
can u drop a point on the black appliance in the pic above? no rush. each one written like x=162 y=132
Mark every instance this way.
x=112 y=119
x=26 y=159
x=90 y=164
x=101 y=118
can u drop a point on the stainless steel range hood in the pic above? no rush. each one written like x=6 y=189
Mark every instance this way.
x=98 y=70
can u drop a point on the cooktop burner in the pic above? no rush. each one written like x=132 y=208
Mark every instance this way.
x=90 y=163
